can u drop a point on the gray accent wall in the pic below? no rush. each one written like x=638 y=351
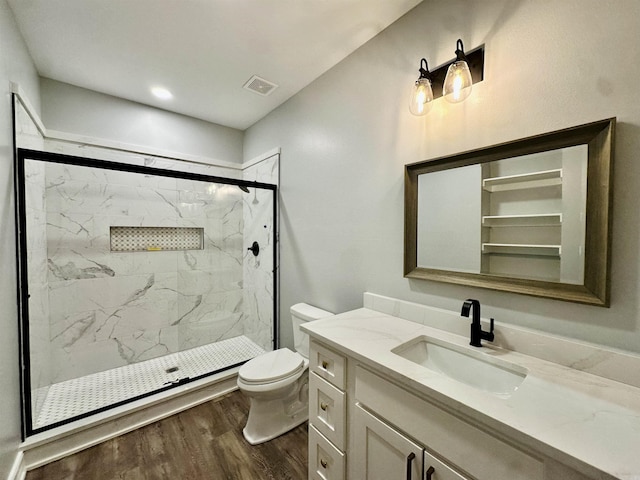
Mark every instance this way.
x=346 y=137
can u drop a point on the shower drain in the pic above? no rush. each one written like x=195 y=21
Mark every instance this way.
x=172 y=369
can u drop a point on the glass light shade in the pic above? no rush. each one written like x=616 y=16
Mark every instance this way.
x=421 y=97
x=162 y=93
x=457 y=83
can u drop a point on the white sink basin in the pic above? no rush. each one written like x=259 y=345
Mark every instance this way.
x=473 y=368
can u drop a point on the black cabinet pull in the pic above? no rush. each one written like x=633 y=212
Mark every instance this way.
x=409 y=461
x=430 y=472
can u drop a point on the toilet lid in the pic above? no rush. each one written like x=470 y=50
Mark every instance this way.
x=272 y=366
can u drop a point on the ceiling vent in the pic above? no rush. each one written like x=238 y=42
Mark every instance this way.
x=260 y=86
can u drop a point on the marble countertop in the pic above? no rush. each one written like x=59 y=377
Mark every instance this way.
x=585 y=421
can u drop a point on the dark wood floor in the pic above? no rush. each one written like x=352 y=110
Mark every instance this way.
x=204 y=442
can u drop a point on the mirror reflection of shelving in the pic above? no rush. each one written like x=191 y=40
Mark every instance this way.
x=524 y=210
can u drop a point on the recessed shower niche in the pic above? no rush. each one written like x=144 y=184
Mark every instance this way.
x=155 y=239
x=136 y=279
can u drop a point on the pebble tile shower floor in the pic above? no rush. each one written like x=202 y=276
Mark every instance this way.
x=85 y=394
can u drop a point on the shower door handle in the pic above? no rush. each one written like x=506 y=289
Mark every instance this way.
x=254 y=248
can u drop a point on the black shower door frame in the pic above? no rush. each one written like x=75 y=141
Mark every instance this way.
x=23 y=286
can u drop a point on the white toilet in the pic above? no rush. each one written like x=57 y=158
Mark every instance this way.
x=278 y=383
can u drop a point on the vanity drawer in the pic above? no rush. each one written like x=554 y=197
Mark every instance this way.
x=327 y=408
x=328 y=364
x=326 y=462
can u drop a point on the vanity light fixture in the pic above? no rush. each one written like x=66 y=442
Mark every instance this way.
x=457 y=83
x=421 y=93
x=452 y=80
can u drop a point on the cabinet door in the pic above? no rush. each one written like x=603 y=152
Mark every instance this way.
x=434 y=469
x=465 y=447
x=381 y=452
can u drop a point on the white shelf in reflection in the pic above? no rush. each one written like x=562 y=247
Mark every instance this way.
x=521 y=249
x=534 y=220
x=546 y=178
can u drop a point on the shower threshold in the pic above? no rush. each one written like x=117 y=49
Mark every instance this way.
x=77 y=397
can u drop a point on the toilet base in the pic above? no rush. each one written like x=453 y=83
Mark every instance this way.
x=269 y=419
x=259 y=435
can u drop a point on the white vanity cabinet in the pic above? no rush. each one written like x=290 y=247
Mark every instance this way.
x=366 y=425
x=552 y=422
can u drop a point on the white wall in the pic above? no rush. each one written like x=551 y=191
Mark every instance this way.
x=346 y=137
x=15 y=65
x=72 y=109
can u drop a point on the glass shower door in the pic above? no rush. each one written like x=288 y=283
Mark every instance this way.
x=135 y=279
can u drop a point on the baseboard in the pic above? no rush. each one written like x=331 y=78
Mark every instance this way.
x=19 y=469
x=41 y=451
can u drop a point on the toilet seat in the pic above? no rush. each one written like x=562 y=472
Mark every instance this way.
x=272 y=367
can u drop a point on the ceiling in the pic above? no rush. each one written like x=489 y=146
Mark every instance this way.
x=203 y=51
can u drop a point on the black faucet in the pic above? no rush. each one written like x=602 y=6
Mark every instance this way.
x=477 y=334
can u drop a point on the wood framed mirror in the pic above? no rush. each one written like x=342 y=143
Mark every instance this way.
x=531 y=216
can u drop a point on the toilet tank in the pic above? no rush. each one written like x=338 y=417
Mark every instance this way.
x=301 y=313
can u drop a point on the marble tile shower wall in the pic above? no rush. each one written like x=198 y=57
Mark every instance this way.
x=258 y=293
x=109 y=309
